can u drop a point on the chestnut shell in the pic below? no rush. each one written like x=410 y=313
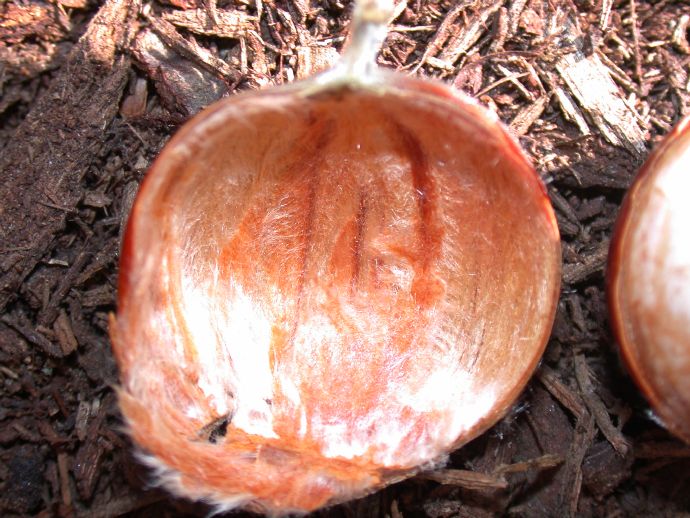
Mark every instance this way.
x=322 y=293
x=648 y=280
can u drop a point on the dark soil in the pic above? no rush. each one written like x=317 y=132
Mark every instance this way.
x=89 y=93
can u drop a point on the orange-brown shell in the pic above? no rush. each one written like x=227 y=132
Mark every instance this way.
x=649 y=280
x=320 y=294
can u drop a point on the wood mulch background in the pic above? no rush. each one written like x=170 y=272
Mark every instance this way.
x=91 y=90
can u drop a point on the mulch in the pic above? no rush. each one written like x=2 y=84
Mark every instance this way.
x=91 y=90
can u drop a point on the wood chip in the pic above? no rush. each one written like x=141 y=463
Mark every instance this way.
x=193 y=51
x=103 y=258
x=259 y=61
x=463 y=40
x=64 y=333
x=514 y=13
x=63 y=471
x=34 y=337
x=75 y=4
x=82 y=419
x=560 y=203
x=540 y=463
x=26 y=434
x=572 y=483
x=89 y=457
x=100 y=296
x=500 y=31
x=67 y=281
x=528 y=115
x=679 y=34
x=590 y=83
x=87 y=465
x=593 y=263
x=21 y=22
x=636 y=40
x=443 y=33
x=312 y=59
x=561 y=392
x=574 y=304
x=597 y=407
x=96 y=199
x=617 y=73
x=228 y=23
x=440 y=64
x=185 y=85
x=28 y=60
x=465 y=479
x=50 y=434
x=127 y=201
x=570 y=111
x=605 y=14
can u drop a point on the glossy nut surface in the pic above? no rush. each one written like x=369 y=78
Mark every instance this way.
x=321 y=294
x=649 y=280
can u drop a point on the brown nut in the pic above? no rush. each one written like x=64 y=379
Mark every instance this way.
x=324 y=291
x=649 y=280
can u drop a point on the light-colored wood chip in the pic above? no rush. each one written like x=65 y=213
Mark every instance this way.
x=524 y=119
x=591 y=84
x=571 y=111
x=312 y=59
x=679 y=34
x=82 y=421
x=605 y=15
x=440 y=64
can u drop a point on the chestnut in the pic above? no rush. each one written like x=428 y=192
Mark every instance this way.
x=327 y=287
x=649 y=280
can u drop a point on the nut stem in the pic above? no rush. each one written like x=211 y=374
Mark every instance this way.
x=369 y=29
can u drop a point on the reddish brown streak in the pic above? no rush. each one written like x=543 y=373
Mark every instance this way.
x=426 y=288
x=308 y=231
x=320 y=134
x=360 y=225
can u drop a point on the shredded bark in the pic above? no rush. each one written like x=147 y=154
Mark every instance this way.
x=67 y=119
